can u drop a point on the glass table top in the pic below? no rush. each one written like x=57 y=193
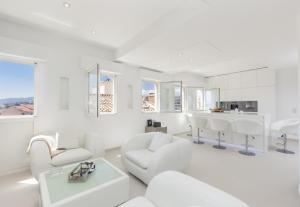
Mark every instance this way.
x=59 y=188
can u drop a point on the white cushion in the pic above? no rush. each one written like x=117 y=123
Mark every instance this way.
x=140 y=157
x=138 y=202
x=66 y=140
x=159 y=140
x=71 y=156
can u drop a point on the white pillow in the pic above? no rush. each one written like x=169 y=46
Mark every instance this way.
x=159 y=140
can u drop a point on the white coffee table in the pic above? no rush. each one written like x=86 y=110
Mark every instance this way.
x=107 y=186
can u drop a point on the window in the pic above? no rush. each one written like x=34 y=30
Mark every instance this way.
x=212 y=98
x=101 y=93
x=195 y=99
x=16 y=89
x=171 y=96
x=106 y=93
x=149 y=96
x=93 y=93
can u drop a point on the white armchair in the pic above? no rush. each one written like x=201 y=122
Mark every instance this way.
x=174 y=189
x=40 y=158
x=145 y=164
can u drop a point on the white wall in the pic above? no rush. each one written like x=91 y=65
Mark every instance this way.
x=64 y=57
x=115 y=129
x=286 y=93
x=61 y=58
x=298 y=78
x=253 y=85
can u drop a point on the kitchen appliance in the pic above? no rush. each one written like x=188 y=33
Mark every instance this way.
x=234 y=106
x=245 y=106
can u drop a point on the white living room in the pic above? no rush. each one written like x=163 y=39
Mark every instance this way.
x=135 y=103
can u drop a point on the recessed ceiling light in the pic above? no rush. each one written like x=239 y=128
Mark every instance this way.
x=180 y=54
x=93 y=32
x=67 y=4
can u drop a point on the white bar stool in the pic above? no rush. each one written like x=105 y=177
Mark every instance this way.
x=248 y=128
x=284 y=127
x=221 y=126
x=188 y=120
x=198 y=123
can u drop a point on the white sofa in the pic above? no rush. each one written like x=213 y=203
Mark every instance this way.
x=85 y=148
x=145 y=164
x=174 y=189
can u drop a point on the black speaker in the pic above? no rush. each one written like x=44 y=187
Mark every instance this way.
x=156 y=124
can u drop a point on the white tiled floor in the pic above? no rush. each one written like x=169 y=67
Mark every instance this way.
x=269 y=180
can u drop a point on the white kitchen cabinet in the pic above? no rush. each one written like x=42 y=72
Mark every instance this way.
x=248 y=79
x=222 y=82
x=249 y=94
x=234 y=95
x=234 y=81
x=211 y=82
x=267 y=100
x=266 y=77
x=224 y=95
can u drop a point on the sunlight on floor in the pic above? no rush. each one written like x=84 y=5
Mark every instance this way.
x=30 y=181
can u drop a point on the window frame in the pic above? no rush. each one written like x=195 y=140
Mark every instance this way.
x=219 y=96
x=27 y=61
x=115 y=93
x=181 y=96
x=187 y=109
x=157 y=88
x=89 y=113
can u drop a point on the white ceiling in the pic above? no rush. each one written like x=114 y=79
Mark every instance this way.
x=208 y=37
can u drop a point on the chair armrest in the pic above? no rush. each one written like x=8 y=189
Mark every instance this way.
x=173 y=156
x=176 y=189
x=94 y=144
x=140 y=141
x=40 y=158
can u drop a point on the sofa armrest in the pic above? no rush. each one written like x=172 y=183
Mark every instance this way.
x=140 y=141
x=40 y=158
x=94 y=144
x=173 y=156
x=176 y=189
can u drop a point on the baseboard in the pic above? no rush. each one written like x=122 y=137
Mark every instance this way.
x=181 y=132
x=9 y=172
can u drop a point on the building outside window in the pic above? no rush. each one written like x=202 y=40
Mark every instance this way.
x=16 y=89
x=106 y=93
x=149 y=96
x=178 y=99
x=101 y=92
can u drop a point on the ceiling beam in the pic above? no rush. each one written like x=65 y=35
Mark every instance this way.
x=183 y=11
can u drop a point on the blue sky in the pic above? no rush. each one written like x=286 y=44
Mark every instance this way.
x=147 y=85
x=16 y=80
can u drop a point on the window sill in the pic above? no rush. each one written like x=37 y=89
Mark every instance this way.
x=108 y=113
x=150 y=112
x=14 y=119
x=101 y=114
